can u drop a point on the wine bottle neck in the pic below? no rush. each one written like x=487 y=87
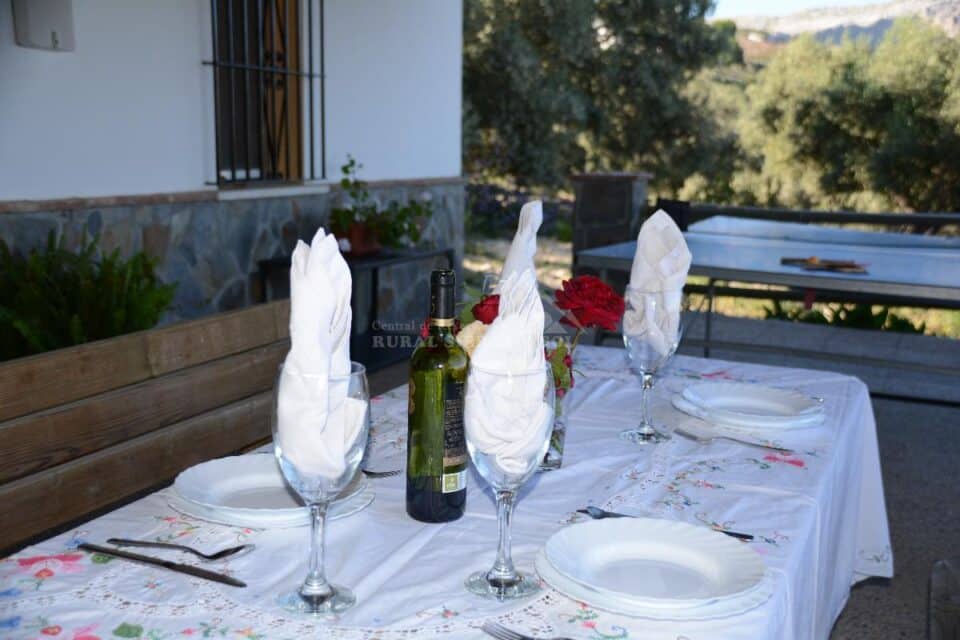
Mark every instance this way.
x=440 y=326
x=442 y=295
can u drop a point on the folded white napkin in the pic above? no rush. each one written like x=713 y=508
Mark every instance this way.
x=317 y=424
x=524 y=246
x=506 y=417
x=661 y=263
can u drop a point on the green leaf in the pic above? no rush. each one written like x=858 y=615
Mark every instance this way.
x=126 y=630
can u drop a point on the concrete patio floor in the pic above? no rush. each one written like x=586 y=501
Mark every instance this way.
x=919 y=452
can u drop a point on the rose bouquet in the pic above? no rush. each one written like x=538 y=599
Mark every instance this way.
x=586 y=302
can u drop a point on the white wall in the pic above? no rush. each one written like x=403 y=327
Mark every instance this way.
x=394 y=86
x=130 y=111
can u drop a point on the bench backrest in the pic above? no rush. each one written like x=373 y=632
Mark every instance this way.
x=83 y=428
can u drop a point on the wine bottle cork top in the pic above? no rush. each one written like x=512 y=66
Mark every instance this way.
x=442 y=293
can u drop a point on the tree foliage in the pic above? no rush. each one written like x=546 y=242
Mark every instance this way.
x=553 y=87
x=826 y=126
x=557 y=86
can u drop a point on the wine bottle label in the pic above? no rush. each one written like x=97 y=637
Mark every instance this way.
x=454 y=440
x=453 y=482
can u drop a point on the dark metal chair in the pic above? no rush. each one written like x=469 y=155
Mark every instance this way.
x=943 y=614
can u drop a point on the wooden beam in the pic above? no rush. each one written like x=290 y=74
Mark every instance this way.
x=41 y=501
x=65 y=375
x=192 y=343
x=39 y=441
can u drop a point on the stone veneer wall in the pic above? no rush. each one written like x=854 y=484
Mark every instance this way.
x=211 y=248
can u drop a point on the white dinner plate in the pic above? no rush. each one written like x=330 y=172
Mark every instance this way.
x=751 y=406
x=751 y=400
x=654 y=563
x=250 y=491
x=756 y=427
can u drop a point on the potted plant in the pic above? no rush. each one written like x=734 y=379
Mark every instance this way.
x=366 y=229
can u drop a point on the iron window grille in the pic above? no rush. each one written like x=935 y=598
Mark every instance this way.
x=265 y=88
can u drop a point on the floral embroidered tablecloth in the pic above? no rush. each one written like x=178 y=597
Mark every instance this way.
x=818 y=516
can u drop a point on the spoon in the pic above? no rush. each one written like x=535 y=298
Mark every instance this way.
x=229 y=552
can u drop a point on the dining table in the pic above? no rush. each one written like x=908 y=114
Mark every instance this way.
x=816 y=514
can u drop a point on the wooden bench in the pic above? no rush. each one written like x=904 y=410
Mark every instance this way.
x=86 y=427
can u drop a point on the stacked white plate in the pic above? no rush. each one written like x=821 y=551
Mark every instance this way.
x=749 y=406
x=249 y=491
x=652 y=568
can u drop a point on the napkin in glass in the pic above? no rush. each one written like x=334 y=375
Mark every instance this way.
x=511 y=429
x=661 y=263
x=524 y=246
x=316 y=422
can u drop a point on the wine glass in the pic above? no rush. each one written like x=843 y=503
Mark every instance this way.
x=315 y=471
x=508 y=418
x=490 y=283
x=652 y=328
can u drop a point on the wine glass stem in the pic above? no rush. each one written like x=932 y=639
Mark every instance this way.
x=316 y=584
x=645 y=401
x=503 y=570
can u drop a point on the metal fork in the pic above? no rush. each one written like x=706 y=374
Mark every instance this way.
x=500 y=632
x=706 y=439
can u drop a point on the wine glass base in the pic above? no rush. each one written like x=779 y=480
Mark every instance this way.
x=339 y=600
x=478 y=584
x=644 y=436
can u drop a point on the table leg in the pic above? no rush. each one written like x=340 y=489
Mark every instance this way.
x=262 y=276
x=711 y=289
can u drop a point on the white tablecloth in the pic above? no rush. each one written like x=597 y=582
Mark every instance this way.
x=818 y=516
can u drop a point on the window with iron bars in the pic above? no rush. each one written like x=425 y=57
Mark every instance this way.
x=268 y=87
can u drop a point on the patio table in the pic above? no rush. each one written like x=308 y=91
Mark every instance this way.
x=729 y=225
x=818 y=516
x=922 y=274
x=917 y=272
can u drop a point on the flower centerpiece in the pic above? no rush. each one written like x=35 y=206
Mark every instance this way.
x=586 y=302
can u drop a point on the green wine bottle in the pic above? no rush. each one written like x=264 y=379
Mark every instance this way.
x=436 y=445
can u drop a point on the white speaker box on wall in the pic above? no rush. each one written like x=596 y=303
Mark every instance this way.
x=44 y=24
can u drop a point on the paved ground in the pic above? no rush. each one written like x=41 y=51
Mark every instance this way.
x=919 y=452
x=920 y=455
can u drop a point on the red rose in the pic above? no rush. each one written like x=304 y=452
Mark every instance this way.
x=487 y=309
x=590 y=302
x=43 y=574
x=51 y=631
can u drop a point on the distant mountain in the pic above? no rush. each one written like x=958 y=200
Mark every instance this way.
x=831 y=24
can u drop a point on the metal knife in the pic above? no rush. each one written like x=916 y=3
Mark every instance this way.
x=599 y=514
x=166 y=564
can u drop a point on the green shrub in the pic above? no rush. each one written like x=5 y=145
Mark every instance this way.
x=852 y=316
x=564 y=231
x=56 y=298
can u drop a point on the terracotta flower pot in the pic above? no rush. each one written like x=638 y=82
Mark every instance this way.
x=364 y=239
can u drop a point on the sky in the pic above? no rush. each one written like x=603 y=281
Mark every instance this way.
x=731 y=8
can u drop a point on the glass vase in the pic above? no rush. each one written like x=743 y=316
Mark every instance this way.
x=554 y=456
